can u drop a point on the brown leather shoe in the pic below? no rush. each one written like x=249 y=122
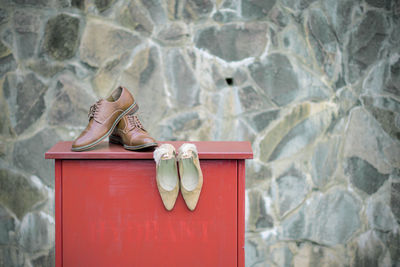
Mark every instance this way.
x=104 y=115
x=131 y=134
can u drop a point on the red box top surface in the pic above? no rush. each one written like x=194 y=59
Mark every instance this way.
x=105 y=150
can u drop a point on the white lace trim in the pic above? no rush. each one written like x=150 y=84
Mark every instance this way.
x=183 y=150
x=164 y=149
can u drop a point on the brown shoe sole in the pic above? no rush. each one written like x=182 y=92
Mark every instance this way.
x=133 y=108
x=118 y=140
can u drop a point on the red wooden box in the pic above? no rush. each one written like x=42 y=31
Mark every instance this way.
x=109 y=211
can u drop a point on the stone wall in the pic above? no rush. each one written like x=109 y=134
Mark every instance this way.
x=313 y=84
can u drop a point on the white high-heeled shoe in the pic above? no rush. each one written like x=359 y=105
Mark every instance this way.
x=190 y=174
x=167 y=174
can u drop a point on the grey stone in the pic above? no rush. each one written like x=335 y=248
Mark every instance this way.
x=395 y=200
x=297 y=5
x=317 y=89
x=106 y=77
x=255 y=250
x=166 y=133
x=8 y=36
x=225 y=16
x=274 y=135
x=61 y=37
x=7 y=62
x=26 y=25
x=3 y=16
x=328 y=219
x=393 y=84
x=132 y=16
x=228 y=127
x=256 y=9
x=34 y=3
x=156 y=10
x=101 y=43
x=250 y=99
x=12 y=256
x=239 y=77
x=103 y=5
x=347 y=100
x=183 y=82
x=303 y=4
x=282 y=256
x=380 y=216
x=176 y=33
x=369 y=250
x=25 y=100
x=232 y=42
x=36 y=232
x=321 y=30
x=324 y=42
x=181 y=126
x=276 y=77
x=290 y=190
x=45 y=68
x=291 y=38
x=71 y=103
x=259 y=219
x=256 y=173
x=384 y=110
x=241 y=130
x=6 y=129
x=175 y=9
x=365 y=139
x=146 y=79
x=393 y=244
x=4 y=50
x=196 y=9
x=376 y=78
x=302 y=135
x=45 y=260
x=379 y=3
x=364 y=176
x=25 y=21
x=324 y=161
x=230 y=4
x=341 y=15
x=7 y=226
x=28 y=155
x=26 y=45
x=279 y=17
x=62 y=3
x=78 y=3
x=186 y=121
x=309 y=254
x=218 y=75
x=263 y=119
x=366 y=42
x=6 y=148
x=17 y=193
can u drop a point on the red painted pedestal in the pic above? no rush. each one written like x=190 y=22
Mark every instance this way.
x=109 y=211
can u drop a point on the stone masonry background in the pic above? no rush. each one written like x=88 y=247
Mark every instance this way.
x=313 y=84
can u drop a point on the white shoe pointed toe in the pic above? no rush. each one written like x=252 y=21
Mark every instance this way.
x=190 y=174
x=167 y=174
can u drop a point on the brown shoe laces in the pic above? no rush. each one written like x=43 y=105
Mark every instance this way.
x=93 y=109
x=135 y=122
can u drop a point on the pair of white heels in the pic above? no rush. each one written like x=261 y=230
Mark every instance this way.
x=191 y=177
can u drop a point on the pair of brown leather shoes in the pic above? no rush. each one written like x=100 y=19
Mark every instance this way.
x=114 y=117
